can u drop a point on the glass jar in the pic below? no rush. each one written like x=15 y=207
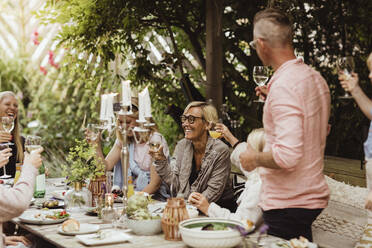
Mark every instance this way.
x=78 y=199
x=108 y=213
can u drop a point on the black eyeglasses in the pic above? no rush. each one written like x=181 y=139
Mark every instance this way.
x=189 y=118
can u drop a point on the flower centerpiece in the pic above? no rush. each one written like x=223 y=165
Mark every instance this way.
x=82 y=164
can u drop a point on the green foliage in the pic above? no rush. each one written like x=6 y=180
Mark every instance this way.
x=83 y=163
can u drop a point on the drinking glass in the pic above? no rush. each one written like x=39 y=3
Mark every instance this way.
x=32 y=143
x=212 y=131
x=8 y=125
x=155 y=142
x=345 y=66
x=2 y=147
x=93 y=131
x=260 y=77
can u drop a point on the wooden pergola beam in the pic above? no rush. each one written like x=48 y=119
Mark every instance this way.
x=214 y=9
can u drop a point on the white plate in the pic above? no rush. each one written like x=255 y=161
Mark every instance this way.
x=107 y=237
x=59 y=194
x=283 y=243
x=85 y=228
x=31 y=217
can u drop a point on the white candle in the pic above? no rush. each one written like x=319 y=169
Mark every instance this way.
x=102 y=114
x=147 y=103
x=110 y=108
x=126 y=93
x=142 y=106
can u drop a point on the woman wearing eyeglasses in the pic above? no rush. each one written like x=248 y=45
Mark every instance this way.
x=201 y=163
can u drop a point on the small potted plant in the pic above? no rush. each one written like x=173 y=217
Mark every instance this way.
x=82 y=165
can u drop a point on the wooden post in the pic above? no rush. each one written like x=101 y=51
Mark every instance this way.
x=214 y=51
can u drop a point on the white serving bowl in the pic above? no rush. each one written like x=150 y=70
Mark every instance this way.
x=145 y=227
x=195 y=237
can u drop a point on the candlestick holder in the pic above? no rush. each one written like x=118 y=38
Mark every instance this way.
x=123 y=132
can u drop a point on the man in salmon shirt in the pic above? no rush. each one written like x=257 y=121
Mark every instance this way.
x=296 y=112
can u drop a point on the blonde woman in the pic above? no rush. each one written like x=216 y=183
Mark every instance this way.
x=144 y=175
x=248 y=201
x=9 y=107
x=200 y=164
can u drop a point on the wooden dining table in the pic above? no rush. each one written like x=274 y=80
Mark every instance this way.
x=49 y=233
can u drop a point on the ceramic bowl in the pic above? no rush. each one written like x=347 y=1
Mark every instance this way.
x=193 y=235
x=145 y=227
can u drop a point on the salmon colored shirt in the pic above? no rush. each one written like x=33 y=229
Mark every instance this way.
x=295 y=119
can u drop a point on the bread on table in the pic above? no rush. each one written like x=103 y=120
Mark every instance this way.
x=71 y=225
x=299 y=243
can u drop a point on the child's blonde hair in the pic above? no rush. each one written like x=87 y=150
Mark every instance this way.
x=369 y=62
x=256 y=139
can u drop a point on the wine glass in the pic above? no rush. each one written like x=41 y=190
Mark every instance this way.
x=93 y=131
x=260 y=77
x=2 y=147
x=345 y=66
x=155 y=141
x=212 y=131
x=32 y=143
x=8 y=125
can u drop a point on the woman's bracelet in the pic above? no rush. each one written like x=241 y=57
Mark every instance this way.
x=236 y=144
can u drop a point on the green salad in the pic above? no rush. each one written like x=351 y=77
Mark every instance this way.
x=137 y=208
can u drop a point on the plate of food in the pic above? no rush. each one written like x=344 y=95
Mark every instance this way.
x=294 y=243
x=118 y=195
x=44 y=217
x=52 y=204
x=72 y=227
x=104 y=237
x=59 y=194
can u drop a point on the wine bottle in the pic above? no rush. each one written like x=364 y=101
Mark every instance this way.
x=40 y=183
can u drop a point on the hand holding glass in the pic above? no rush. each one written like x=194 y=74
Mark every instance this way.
x=2 y=147
x=213 y=132
x=345 y=66
x=32 y=143
x=260 y=77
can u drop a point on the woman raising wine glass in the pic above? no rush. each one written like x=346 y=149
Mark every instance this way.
x=9 y=108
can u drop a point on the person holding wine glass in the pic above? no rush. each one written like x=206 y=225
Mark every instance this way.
x=145 y=177
x=15 y=200
x=295 y=119
x=200 y=163
x=9 y=111
x=350 y=84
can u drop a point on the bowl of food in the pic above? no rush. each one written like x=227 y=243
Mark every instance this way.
x=211 y=232
x=145 y=227
x=140 y=220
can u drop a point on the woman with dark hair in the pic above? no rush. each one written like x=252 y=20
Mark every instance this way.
x=9 y=108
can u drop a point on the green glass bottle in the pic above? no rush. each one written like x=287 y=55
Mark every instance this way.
x=40 y=183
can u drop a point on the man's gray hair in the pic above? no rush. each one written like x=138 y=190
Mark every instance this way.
x=273 y=26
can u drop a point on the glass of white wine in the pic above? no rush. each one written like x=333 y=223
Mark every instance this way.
x=212 y=131
x=8 y=125
x=260 y=77
x=93 y=131
x=2 y=147
x=345 y=66
x=32 y=143
x=155 y=141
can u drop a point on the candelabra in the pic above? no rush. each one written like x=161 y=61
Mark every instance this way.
x=123 y=132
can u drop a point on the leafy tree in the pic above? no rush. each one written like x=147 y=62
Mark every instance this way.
x=324 y=30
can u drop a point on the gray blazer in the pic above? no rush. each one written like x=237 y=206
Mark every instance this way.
x=213 y=180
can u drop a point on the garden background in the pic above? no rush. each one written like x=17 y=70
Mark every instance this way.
x=59 y=56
